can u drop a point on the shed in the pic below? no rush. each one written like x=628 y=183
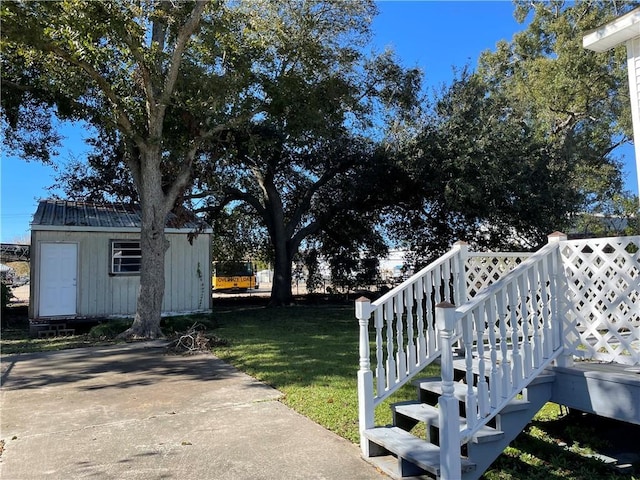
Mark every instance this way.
x=85 y=262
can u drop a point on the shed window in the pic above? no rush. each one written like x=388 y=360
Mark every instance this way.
x=125 y=256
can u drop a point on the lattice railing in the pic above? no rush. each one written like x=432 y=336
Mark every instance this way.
x=485 y=268
x=602 y=303
x=515 y=314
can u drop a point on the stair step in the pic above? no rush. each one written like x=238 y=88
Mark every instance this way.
x=460 y=392
x=460 y=364
x=430 y=415
x=410 y=448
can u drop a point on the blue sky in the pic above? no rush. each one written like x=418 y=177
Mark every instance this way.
x=435 y=36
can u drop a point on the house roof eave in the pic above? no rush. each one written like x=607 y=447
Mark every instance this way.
x=614 y=33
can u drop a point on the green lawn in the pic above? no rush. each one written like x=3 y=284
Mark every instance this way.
x=310 y=354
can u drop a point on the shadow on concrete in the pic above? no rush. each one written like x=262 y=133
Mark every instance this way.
x=116 y=366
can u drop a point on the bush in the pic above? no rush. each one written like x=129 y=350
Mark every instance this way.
x=110 y=328
x=5 y=296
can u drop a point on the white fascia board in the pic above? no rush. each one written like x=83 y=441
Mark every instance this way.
x=613 y=33
x=57 y=228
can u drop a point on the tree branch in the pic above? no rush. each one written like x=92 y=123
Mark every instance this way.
x=122 y=119
x=176 y=57
x=182 y=178
x=305 y=201
x=136 y=51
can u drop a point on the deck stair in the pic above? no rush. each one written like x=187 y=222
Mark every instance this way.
x=506 y=329
x=400 y=454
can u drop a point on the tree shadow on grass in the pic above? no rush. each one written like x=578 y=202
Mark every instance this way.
x=537 y=459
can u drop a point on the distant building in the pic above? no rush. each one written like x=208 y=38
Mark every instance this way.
x=392 y=267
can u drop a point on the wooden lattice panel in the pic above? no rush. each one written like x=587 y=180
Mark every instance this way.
x=602 y=303
x=485 y=269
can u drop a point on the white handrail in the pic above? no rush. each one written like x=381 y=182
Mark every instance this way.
x=512 y=321
x=405 y=335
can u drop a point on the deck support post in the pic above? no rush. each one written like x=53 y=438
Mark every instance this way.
x=365 y=375
x=461 y=276
x=460 y=280
x=559 y=317
x=450 y=464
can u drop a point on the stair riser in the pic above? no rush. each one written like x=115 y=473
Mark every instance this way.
x=512 y=424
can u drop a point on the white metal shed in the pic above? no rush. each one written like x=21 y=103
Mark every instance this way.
x=85 y=262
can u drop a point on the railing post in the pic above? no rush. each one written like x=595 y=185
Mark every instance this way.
x=559 y=301
x=365 y=376
x=461 y=294
x=450 y=465
x=461 y=281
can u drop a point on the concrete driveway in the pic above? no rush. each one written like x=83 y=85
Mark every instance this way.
x=133 y=412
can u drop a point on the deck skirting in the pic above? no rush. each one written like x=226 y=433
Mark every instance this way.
x=608 y=390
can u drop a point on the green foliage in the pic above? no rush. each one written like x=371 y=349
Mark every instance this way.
x=238 y=235
x=273 y=108
x=575 y=100
x=154 y=82
x=511 y=152
x=5 y=297
x=482 y=177
x=300 y=165
x=109 y=329
x=617 y=216
x=350 y=271
x=314 y=276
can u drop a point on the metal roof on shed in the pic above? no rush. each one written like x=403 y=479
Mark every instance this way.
x=96 y=216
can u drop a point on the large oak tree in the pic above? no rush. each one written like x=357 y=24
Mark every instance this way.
x=313 y=153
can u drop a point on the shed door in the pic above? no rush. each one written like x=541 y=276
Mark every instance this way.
x=58 y=273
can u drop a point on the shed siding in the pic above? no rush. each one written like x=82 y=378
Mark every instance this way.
x=101 y=294
x=187 y=274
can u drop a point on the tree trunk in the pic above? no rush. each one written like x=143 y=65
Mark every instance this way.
x=146 y=323
x=153 y=245
x=281 y=288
